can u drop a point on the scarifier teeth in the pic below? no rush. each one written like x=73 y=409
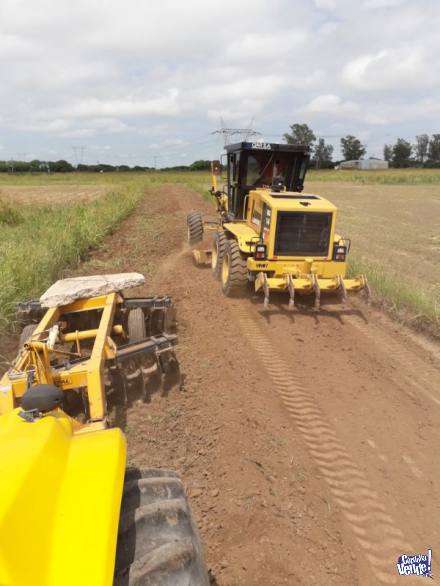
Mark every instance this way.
x=367 y=290
x=343 y=290
x=317 y=292
x=291 y=288
x=266 y=291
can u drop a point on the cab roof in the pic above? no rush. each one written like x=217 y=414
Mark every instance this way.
x=267 y=146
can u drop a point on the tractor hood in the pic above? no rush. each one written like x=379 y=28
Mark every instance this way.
x=60 y=495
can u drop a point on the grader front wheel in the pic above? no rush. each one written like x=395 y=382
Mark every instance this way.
x=234 y=275
x=217 y=252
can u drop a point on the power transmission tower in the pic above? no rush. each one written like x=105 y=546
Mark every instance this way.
x=243 y=134
x=78 y=153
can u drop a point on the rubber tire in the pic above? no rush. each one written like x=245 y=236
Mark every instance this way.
x=137 y=329
x=236 y=280
x=218 y=250
x=26 y=334
x=194 y=222
x=158 y=542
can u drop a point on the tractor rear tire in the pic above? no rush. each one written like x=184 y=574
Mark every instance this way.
x=137 y=329
x=158 y=542
x=26 y=334
x=234 y=275
x=195 y=227
x=217 y=252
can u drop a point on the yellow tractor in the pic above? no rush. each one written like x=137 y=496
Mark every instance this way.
x=71 y=514
x=268 y=232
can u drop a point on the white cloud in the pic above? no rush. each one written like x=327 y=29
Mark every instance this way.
x=383 y=3
x=155 y=71
x=325 y=4
x=330 y=104
x=390 y=69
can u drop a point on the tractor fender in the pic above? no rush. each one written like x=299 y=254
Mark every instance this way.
x=60 y=497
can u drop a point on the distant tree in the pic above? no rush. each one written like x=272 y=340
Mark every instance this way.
x=421 y=148
x=200 y=165
x=434 y=150
x=388 y=152
x=61 y=166
x=352 y=148
x=301 y=134
x=35 y=166
x=402 y=153
x=323 y=154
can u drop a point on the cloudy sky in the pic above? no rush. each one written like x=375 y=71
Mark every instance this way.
x=137 y=79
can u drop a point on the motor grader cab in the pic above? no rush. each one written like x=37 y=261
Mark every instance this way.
x=70 y=511
x=269 y=232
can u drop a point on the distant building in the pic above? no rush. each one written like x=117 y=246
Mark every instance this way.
x=364 y=164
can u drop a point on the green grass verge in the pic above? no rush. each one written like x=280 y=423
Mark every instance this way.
x=38 y=243
x=407 y=301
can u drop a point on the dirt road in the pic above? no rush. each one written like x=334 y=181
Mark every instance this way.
x=306 y=441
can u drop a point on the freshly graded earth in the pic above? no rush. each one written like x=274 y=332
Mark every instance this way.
x=306 y=441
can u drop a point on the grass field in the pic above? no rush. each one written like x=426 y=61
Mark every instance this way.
x=392 y=217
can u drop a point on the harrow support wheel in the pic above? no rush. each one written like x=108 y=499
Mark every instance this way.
x=137 y=329
x=158 y=542
x=26 y=334
x=217 y=252
x=234 y=275
x=194 y=223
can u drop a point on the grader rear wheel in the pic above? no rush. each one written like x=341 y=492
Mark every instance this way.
x=195 y=227
x=234 y=276
x=217 y=252
x=158 y=542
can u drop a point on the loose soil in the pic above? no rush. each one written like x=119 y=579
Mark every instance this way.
x=305 y=440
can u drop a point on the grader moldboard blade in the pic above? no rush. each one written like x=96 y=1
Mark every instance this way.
x=64 y=484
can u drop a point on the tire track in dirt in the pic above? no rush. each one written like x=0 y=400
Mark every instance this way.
x=373 y=527
x=424 y=376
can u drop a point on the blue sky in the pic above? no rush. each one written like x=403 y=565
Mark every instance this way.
x=140 y=79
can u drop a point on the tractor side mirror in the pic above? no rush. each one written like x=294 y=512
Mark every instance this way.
x=216 y=168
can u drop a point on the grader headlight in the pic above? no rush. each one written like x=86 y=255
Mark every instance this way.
x=339 y=253
x=260 y=252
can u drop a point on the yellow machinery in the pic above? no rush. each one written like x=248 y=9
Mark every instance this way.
x=62 y=468
x=270 y=233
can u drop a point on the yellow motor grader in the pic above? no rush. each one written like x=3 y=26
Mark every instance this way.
x=71 y=514
x=270 y=233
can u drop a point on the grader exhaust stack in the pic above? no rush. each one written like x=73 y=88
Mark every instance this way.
x=271 y=234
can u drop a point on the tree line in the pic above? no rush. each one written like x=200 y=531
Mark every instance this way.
x=63 y=166
x=322 y=153
x=425 y=152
